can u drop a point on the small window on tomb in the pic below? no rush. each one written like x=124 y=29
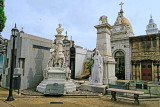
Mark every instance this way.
x=143 y=66
x=149 y=66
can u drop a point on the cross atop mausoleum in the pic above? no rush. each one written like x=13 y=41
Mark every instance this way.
x=121 y=4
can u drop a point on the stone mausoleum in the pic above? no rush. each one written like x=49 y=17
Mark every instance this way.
x=145 y=54
x=31 y=57
x=145 y=57
x=32 y=54
x=121 y=51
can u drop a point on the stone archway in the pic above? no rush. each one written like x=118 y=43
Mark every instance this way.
x=120 y=65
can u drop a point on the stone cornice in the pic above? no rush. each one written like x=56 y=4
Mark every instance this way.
x=103 y=25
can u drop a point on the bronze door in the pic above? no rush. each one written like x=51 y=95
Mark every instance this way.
x=146 y=69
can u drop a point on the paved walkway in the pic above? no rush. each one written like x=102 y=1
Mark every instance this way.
x=72 y=101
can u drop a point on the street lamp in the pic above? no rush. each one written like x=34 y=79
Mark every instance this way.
x=14 y=32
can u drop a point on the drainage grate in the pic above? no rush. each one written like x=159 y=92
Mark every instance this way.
x=56 y=102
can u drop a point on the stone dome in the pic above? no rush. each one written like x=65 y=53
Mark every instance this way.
x=125 y=21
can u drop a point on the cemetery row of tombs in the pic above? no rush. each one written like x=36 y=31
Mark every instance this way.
x=119 y=60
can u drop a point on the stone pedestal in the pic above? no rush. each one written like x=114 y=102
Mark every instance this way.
x=104 y=46
x=57 y=75
x=109 y=70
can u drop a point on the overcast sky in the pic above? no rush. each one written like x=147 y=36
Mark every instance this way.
x=78 y=17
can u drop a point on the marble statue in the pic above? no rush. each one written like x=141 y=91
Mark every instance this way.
x=97 y=71
x=68 y=72
x=59 y=29
x=128 y=29
x=119 y=21
x=57 y=71
x=59 y=58
x=52 y=56
x=103 y=19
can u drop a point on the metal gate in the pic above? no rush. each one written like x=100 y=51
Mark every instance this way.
x=120 y=65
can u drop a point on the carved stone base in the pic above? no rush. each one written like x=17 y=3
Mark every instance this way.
x=57 y=75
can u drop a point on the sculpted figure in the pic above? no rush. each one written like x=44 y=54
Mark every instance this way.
x=59 y=29
x=103 y=19
x=119 y=21
x=52 y=56
x=60 y=58
x=68 y=72
x=128 y=29
x=97 y=71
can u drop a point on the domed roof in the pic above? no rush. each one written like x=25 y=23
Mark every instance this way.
x=151 y=21
x=125 y=21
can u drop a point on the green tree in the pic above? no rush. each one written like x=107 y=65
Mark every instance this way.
x=2 y=16
x=89 y=64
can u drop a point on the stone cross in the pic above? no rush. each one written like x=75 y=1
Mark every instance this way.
x=121 y=4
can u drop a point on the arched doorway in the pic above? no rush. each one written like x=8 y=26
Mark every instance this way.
x=120 y=65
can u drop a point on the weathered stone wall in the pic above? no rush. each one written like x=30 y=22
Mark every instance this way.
x=32 y=54
x=143 y=48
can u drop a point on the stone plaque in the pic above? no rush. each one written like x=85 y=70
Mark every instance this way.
x=54 y=89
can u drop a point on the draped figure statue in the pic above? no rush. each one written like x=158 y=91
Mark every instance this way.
x=97 y=71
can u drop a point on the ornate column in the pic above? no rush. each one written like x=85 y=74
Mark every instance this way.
x=133 y=70
x=103 y=37
x=157 y=42
x=140 y=70
x=104 y=46
x=153 y=77
x=155 y=71
x=137 y=70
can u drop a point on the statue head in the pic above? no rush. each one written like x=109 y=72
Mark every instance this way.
x=60 y=25
x=97 y=52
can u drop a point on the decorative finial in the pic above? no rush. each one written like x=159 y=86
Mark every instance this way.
x=22 y=30
x=59 y=29
x=71 y=40
x=15 y=26
x=66 y=33
x=151 y=16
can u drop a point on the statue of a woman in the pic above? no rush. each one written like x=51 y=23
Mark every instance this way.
x=97 y=71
